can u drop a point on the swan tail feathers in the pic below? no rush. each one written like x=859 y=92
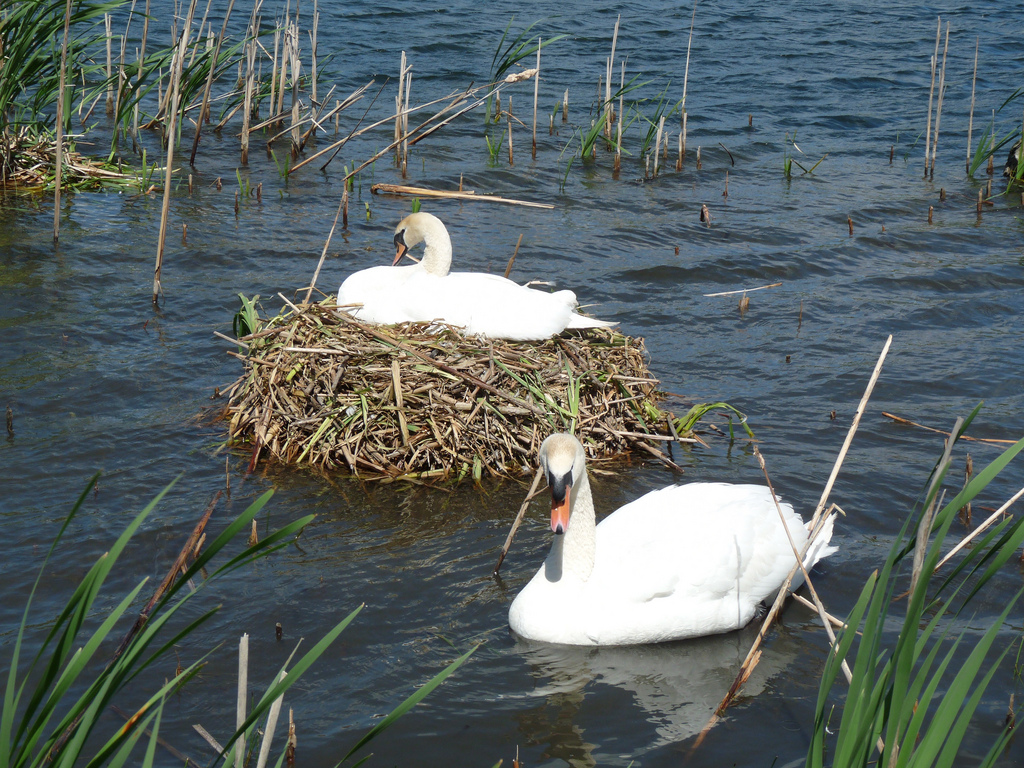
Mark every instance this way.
x=820 y=548
x=582 y=321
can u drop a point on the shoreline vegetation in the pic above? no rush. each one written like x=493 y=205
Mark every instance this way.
x=54 y=709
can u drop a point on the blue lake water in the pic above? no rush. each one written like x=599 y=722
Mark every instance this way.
x=98 y=380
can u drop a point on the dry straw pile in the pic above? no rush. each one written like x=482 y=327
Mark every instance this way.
x=325 y=390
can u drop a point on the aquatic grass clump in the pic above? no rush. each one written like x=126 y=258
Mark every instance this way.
x=322 y=389
x=53 y=710
x=912 y=697
x=28 y=159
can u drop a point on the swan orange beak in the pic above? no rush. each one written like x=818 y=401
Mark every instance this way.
x=560 y=511
x=400 y=248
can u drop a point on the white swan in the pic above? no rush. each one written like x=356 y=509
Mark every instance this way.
x=683 y=561
x=483 y=304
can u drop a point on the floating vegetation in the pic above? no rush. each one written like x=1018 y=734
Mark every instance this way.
x=417 y=401
x=28 y=159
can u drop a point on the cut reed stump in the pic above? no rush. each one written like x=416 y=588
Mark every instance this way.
x=419 y=401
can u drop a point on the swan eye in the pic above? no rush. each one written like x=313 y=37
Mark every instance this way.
x=400 y=239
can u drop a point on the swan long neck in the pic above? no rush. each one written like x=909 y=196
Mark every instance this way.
x=578 y=545
x=437 y=251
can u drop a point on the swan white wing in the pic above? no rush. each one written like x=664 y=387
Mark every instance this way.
x=694 y=559
x=383 y=292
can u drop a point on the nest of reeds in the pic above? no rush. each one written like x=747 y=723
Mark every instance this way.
x=419 y=400
x=28 y=158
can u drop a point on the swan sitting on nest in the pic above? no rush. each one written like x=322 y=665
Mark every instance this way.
x=683 y=561
x=482 y=304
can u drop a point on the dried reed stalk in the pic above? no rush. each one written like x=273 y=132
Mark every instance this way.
x=322 y=389
x=243 y=695
x=400 y=189
x=931 y=95
x=108 y=38
x=536 y=91
x=938 y=106
x=609 y=71
x=172 y=115
x=60 y=123
x=205 y=109
x=970 y=120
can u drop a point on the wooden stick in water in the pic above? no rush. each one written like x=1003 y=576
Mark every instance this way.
x=519 y=519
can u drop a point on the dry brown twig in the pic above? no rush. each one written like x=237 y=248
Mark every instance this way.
x=815 y=525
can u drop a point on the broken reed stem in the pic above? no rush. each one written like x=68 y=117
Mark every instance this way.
x=512 y=258
x=849 y=435
x=295 y=64
x=273 y=73
x=342 y=208
x=938 y=106
x=204 y=111
x=565 y=106
x=609 y=71
x=398 y=98
x=312 y=53
x=931 y=95
x=60 y=128
x=686 y=73
x=172 y=116
x=268 y=734
x=536 y=91
x=110 y=71
x=250 y=71
x=519 y=519
x=283 y=72
x=657 y=143
x=618 y=138
x=974 y=534
x=405 y=123
x=509 y=115
x=814 y=525
x=970 y=120
x=243 y=695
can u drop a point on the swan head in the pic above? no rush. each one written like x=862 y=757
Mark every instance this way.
x=564 y=462
x=423 y=227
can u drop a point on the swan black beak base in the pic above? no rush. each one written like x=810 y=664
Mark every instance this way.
x=400 y=247
x=561 y=495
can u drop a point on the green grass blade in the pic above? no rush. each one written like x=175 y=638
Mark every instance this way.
x=409 y=703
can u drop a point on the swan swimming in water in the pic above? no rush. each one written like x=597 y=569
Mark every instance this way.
x=483 y=304
x=679 y=562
